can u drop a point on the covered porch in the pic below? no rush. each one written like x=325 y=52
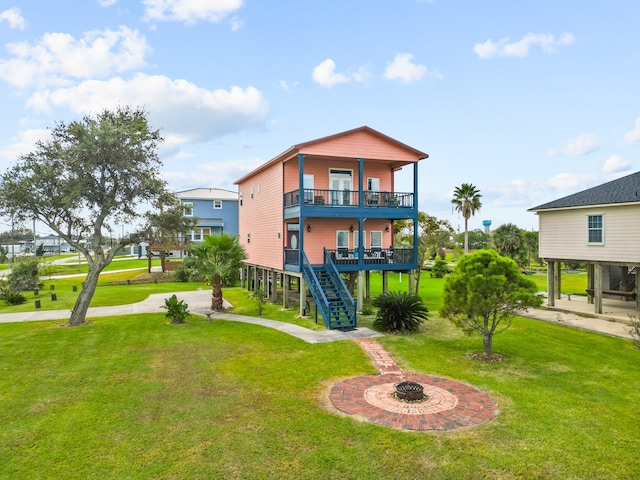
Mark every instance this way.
x=613 y=310
x=607 y=282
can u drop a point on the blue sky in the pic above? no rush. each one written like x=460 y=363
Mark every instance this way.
x=528 y=101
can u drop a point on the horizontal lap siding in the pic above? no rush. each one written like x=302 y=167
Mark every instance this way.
x=563 y=235
x=319 y=168
x=262 y=217
x=360 y=145
x=323 y=234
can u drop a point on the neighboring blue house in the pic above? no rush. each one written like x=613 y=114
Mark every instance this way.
x=215 y=208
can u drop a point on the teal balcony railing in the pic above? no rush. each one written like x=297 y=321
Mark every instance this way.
x=350 y=198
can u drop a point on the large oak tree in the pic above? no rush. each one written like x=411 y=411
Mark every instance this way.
x=90 y=176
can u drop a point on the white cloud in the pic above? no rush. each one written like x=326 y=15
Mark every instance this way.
x=520 y=48
x=581 y=145
x=13 y=18
x=633 y=136
x=106 y=3
x=615 y=164
x=185 y=112
x=190 y=11
x=236 y=24
x=57 y=58
x=402 y=68
x=287 y=86
x=220 y=174
x=325 y=74
x=527 y=193
x=24 y=142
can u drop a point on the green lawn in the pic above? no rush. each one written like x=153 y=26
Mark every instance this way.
x=73 y=267
x=133 y=397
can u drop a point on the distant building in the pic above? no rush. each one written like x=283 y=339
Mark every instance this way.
x=599 y=227
x=216 y=210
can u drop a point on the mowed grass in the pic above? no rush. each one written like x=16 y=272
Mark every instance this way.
x=112 y=289
x=134 y=397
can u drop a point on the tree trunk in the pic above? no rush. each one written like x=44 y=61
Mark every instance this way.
x=466 y=235
x=79 y=312
x=488 y=337
x=488 y=343
x=216 y=294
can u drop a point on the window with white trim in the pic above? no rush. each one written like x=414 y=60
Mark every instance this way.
x=199 y=234
x=217 y=204
x=376 y=238
x=187 y=208
x=595 y=229
x=342 y=239
x=373 y=184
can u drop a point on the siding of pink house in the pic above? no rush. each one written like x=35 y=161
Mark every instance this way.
x=323 y=235
x=359 y=144
x=319 y=167
x=261 y=217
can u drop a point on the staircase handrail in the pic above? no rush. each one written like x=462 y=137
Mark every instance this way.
x=317 y=293
x=328 y=263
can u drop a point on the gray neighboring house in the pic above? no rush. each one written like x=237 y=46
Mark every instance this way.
x=215 y=208
x=599 y=226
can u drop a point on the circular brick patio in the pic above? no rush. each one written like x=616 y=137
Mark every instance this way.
x=451 y=405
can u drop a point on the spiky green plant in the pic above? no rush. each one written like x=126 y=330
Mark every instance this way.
x=400 y=312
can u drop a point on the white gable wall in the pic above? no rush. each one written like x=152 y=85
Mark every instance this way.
x=563 y=234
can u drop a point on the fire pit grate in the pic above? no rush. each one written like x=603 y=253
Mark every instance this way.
x=409 y=392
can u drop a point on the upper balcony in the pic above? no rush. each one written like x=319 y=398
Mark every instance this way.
x=316 y=201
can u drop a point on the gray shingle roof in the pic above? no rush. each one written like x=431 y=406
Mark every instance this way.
x=207 y=194
x=622 y=190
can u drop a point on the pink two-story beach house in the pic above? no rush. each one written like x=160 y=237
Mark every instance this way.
x=328 y=206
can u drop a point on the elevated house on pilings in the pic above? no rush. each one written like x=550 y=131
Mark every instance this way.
x=327 y=207
x=600 y=227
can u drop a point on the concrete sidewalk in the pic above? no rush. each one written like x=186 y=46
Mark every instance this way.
x=199 y=302
x=611 y=327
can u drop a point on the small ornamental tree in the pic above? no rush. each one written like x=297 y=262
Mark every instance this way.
x=485 y=292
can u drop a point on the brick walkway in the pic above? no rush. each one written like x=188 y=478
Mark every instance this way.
x=450 y=405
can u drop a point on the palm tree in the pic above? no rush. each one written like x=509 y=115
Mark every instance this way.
x=216 y=258
x=466 y=199
x=508 y=240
